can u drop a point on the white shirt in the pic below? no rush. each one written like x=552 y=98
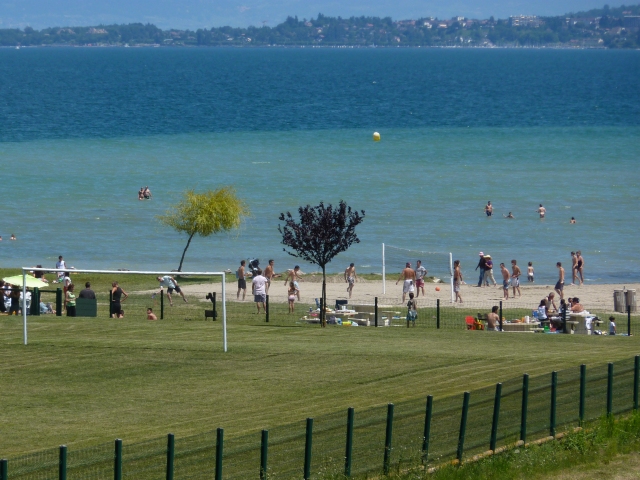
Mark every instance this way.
x=420 y=272
x=61 y=265
x=259 y=284
x=167 y=282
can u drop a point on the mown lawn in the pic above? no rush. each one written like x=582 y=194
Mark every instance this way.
x=86 y=381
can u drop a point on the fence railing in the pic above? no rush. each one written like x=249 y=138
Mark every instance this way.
x=369 y=441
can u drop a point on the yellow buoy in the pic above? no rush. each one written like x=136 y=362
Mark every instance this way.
x=376 y=137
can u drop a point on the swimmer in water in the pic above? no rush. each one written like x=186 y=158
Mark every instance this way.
x=542 y=211
x=13 y=237
x=573 y=220
x=488 y=209
x=508 y=216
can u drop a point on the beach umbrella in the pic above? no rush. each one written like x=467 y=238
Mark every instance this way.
x=31 y=281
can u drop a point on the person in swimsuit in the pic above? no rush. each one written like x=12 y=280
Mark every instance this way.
x=580 y=266
x=147 y=193
x=70 y=301
x=291 y=296
x=269 y=273
x=493 y=320
x=457 y=280
x=488 y=209
x=574 y=271
x=573 y=220
x=242 y=282
x=151 y=315
x=350 y=277
x=409 y=277
x=505 y=280
x=515 y=278
x=116 y=299
x=508 y=216
x=13 y=237
x=293 y=276
x=141 y=193
x=542 y=211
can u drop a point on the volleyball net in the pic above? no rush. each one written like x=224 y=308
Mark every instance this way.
x=123 y=294
x=439 y=265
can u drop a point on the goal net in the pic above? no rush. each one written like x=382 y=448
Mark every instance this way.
x=439 y=265
x=121 y=294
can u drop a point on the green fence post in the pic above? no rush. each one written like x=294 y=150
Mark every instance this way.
x=496 y=417
x=427 y=429
x=117 y=463
x=62 y=463
x=171 y=444
x=610 y=389
x=501 y=315
x=264 y=450
x=4 y=469
x=219 y=450
x=387 y=439
x=375 y=312
x=463 y=426
x=349 y=447
x=525 y=404
x=636 y=382
x=58 y=302
x=307 y=449
x=162 y=304
x=266 y=315
x=438 y=314
x=629 y=320
x=554 y=397
x=583 y=391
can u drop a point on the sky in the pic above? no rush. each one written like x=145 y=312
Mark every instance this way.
x=194 y=14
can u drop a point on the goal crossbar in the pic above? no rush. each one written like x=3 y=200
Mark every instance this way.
x=127 y=272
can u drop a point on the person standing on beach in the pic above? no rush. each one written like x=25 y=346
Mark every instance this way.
x=350 y=277
x=293 y=276
x=574 y=270
x=421 y=272
x=488 y=209
x=269 y=273
x=457 y=280
x=259 y=290
x=409 y=277
x=242 y=282
x=541 y=211
x=560 y=283
x=481 y=265
x=505 y=280
x=488 y=271
x=530 y=272
x=515 y=278
x=580 y=266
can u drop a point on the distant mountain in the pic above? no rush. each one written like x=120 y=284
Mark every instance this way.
x=194 y=14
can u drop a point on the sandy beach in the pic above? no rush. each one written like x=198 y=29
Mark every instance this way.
x=593 y=297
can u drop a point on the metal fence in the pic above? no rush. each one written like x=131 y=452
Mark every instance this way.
x=360 y=443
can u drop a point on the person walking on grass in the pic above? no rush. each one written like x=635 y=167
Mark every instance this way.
x=350 y=277
x=291 y=296
x=505 y=280
x=457 y=280
x=259 y=290
x=171 y=284
x=560 y=283
x=409 y=277
x=515 y=278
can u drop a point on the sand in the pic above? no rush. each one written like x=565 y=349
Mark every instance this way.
x=593 y=297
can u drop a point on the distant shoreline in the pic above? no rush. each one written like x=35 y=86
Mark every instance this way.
x=325 y=47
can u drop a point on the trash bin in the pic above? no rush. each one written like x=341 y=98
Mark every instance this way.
x=619 y=304
x=630 y=300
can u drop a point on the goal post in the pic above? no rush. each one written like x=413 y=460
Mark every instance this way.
x=438 y=264
x=26 y=270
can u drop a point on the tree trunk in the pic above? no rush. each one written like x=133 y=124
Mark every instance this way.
x=323 y=313
x=185 y=251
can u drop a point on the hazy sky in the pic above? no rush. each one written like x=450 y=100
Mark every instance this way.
x=214 y=13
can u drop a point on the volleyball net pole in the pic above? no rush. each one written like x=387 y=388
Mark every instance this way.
x=122 y=272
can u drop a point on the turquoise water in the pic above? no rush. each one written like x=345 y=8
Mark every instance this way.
x=291 y=127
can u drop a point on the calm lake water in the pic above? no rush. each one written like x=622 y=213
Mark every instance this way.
x=83 y=129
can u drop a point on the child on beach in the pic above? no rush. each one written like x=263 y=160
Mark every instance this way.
x=292 y=296
x=412 y=312
x=612 y=325
x=530 y=272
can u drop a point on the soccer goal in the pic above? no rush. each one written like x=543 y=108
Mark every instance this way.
x=143 y=292
x=438 y=264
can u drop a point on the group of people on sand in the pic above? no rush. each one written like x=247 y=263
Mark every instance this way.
x=144 y=193
x=541 y=211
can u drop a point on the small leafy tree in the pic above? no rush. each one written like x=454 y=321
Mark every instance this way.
x=321 y=233
x=204 y=214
